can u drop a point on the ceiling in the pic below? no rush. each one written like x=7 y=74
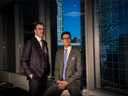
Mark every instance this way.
x=5 y=2
x=1 y=1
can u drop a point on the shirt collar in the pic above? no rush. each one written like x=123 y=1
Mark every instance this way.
x=68 y=47
x=38 y=38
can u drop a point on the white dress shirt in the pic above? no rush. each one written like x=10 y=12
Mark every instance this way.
x=39 y=40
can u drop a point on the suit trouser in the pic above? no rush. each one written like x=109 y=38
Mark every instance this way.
x=38 y=87
x=54 y=91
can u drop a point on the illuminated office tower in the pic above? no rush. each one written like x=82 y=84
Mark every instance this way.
x=60 y=25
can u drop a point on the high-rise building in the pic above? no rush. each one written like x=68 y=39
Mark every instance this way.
x=60 y=25
x=112 y=19
x=107 y=41
x=107 y=27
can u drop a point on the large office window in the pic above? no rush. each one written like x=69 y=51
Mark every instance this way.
x=112 y=20
x=9 y=38
x=30 y=16
x=70 y=17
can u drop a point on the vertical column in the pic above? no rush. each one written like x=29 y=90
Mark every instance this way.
x=17 y=32
x=97 y=47
x=42 y=14
x=48 y=31
x=5 y=45
x=89 y=45
x=21 y=44
x=1 y=41
x=53 y=27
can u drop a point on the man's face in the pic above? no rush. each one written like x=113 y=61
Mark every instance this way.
x=39 y=31
x=66 y=40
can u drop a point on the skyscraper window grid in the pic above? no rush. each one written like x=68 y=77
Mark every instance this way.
x=113 y=34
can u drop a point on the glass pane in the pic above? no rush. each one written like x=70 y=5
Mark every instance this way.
x=113 y=39
x=30 y=16
x=9 y=39
x=71 y=18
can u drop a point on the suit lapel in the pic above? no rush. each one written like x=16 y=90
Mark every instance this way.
x=45 y=49
x=62 y=63
x=38 y=46
x=62 y=56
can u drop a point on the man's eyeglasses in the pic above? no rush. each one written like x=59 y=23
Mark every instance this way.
x=66 y=38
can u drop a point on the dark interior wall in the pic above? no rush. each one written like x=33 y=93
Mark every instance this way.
x=53 y=17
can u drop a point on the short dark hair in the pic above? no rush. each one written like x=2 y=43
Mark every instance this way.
x=65 y=33
x=40 y=23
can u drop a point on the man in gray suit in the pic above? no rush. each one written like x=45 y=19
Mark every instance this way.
x=68 y=69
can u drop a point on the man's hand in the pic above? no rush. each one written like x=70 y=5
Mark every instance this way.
x=62 y=84
x=59 y=83
x=31 y=76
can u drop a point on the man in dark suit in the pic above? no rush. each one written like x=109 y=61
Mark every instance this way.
x=68 y=69
x=35 y=61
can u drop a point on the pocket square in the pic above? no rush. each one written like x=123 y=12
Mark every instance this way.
x=73 y=58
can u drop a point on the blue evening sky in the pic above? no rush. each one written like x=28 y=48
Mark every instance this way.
x=71 y=13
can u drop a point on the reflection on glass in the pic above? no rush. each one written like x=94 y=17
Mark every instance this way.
x=30 y=16
x=113 y=36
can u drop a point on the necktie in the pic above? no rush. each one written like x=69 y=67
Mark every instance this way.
x=44 y=53
x=65 y=62
x=43 y=47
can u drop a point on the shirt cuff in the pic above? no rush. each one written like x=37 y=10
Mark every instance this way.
x=67 y=82
x=57 y=81
x=30 y=75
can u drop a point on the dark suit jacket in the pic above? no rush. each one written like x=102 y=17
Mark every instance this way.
x=32 y=59
x=74 y=67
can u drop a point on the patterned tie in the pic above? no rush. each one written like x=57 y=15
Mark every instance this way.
x=65 y=62
x=44 y=53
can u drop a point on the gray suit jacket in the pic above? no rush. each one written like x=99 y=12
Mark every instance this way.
x=74 y=67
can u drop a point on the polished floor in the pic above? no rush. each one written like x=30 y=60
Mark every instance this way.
x=94 y=93
x=16 y=91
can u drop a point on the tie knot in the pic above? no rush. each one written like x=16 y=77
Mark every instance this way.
x=41 y=40
x=66 y=50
